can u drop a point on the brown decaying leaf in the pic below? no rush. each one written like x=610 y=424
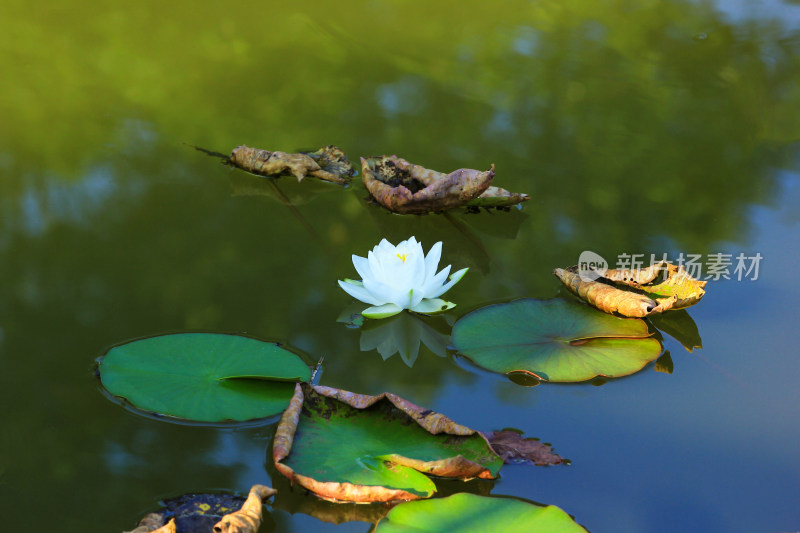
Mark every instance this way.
x=435 y=423
x=154 y=523
x=637 y=276
x=248 y=518
x=267 y=163
x=499 y=197
x=513 y=448
x=403 y=187
x=611 y=295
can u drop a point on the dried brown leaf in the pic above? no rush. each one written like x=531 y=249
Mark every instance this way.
x=629 y=292
x=498 y=197
x=300 y=165
x=248 y=518
x=606 y=296
x=636 y=276
x=513 y=448
x=403 y=187
x=154 y=523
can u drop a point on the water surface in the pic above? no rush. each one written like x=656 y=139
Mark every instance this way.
x=636 y=127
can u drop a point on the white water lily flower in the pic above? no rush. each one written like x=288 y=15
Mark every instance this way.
x=400 y=277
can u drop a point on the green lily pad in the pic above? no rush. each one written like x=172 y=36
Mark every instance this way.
x=554 y=340
x=468 y=513
x=351 y=447
x=203 y=377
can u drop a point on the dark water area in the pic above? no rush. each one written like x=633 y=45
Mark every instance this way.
x=637 y=127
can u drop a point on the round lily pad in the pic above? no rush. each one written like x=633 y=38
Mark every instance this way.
x=203 y=377
x=470 y=513
x=554 y=340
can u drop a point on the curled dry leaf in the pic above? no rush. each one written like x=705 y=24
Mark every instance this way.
x=498 y=197
x=328 y=163
x=248 y=518
x=154 y=523
x=514 y=448
x=631 y=293
x=352 y=447
x=402 y=187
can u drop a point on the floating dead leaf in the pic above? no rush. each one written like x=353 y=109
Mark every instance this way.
x=248 y=518
x=329 y=163
x=514 y=448
x=154 y=523
x=498 y=197
x=199 y=512
x=632 y=293
x=403 y=187
x=344 y=446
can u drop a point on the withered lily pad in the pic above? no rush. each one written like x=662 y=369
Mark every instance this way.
x=554 y=340
x=470 y=513
x=248 y=518
x=204 y=512
x=403 y=187
x=351 y=447
x=633 y=293
x=328 y=163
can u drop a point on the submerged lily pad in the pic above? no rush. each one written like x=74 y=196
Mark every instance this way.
x=403 y=187
x=204 y=377
x=468 y=513
x=352 y=447
x=554 y=340
x=632 y=293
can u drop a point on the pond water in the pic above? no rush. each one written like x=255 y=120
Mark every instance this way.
x=636 y=127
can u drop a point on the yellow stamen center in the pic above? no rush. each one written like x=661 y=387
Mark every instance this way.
x=402 y=257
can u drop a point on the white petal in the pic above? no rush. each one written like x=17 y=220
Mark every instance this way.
x=381 y=311
x=385 y=247
x=385 y=293
x=416 y=296
x=416 y=272
x=432 y=306
x=414 y=246
x=375 y=266
x=362 y=267
x=432 y=261
x=436 y=282
x=455 y=278
x=359 y=293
